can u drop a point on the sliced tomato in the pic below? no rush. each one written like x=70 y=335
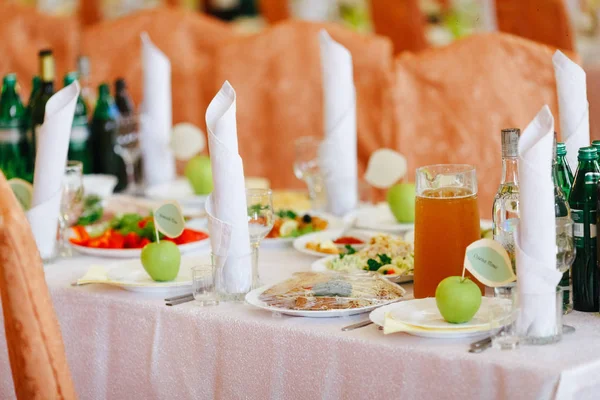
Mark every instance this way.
x=189 y=236
x=81 y=236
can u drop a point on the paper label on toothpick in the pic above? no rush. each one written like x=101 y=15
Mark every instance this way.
x=488 y=261
x=168 y=219
x=23 y=191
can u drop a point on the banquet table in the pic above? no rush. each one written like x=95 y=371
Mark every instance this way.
x=126 y=345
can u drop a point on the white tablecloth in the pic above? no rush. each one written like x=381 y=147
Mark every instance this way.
x=125 y=345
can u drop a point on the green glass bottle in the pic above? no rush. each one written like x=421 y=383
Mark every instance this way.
x=563 y=170
x=12 y=162
x=596 y=145
x=582 y=201
x=104 y=130
x=26 y=127
x=561 y=209
x=39 y=100
x=79 y=149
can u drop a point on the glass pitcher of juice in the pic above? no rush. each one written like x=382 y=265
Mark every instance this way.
x=446 y=222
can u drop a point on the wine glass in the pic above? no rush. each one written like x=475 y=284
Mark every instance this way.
x=71 y=204
x=260 y=222
x=306 y=168
x=127 y=146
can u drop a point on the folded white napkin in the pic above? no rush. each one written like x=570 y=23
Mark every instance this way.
x=51 y=159
x=537 y=276
x=156 y=118
x=572 y=105
x=337 y=155
x=226 y=206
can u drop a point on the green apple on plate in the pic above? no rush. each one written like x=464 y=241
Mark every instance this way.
x=199 y=173
x=458 y=299
x=401 y=199
x=161 y=260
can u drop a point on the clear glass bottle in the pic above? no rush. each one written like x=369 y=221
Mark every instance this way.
x=561 y=209
x=505 y=212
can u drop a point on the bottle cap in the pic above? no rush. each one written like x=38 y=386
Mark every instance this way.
x=10 y=79
x=120 y=84
x=510 y=142
x=45 y=52
x=596 y=144
x=70 y=78
x=103 y=89
x=587 y=153
x=561 y=149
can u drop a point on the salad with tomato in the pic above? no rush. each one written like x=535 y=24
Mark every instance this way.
x=128 y=231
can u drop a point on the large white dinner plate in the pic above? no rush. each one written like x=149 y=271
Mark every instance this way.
x=179 y=190
x=252 y=298
x=380 y=218
x=424 y=313
x=333 y=223
x=130 y=275
x=321 y=266
x=300 y=242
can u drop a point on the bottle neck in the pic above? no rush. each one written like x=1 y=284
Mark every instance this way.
x=47 y=87
x=510 y=170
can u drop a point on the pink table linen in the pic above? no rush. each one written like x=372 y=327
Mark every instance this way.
x=125 y=345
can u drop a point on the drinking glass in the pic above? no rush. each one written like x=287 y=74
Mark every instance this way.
x=127 y=146
x=446 y=222
x=306 y=168
x=260 y=222
x=230 y=281
x=504 y=312
x=71 y=204
x=203 y=285
x=565 y=255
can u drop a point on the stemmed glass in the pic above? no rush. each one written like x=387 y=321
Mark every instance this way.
x=127 y=146
x=71 y=204
x=260 y=222
x=306 y=168
x=565 y=256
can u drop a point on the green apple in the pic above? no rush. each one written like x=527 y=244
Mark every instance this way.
x=401 y=198
x=161 y=260
x=458 y=299
x=199 y=174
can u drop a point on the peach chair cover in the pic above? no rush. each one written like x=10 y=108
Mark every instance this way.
x=25 y=31
x=277 y=77
x=274 y=10
x=452 y=102
x=189 y=39
x=35 y=347
x=544 y=21
x=402 y=21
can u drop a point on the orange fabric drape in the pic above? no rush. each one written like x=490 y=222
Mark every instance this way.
x=89 y=12
x=544 y=21
x=187 y=38
x=274 y=10
x=24 y=32
x=35 y=347
x=451 y=103
x=277 y=77
x=401 y=21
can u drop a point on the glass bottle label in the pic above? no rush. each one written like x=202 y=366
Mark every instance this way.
x=579 y=226
x=10 y=136
x=79 y=135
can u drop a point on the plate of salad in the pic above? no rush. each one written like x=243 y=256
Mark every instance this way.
x=388 y=255
x=124 y=236
x=290 y=225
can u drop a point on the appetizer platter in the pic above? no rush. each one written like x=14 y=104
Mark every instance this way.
x=322 y=295
x=289 y=225
x=331 y=242
x=384 y=254
x=124 y=236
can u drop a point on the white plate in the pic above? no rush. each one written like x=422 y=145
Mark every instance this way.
x=179 y=190
x=425 y=314
x=321 y=266
x=136 y=253
x=130 y=275
x=252 y=298
x=379 y=218
x=333 y=223
x=300 y=242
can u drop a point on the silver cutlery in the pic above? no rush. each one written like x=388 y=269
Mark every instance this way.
x=357 y=325
x=180 y=301
x=179 y=297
